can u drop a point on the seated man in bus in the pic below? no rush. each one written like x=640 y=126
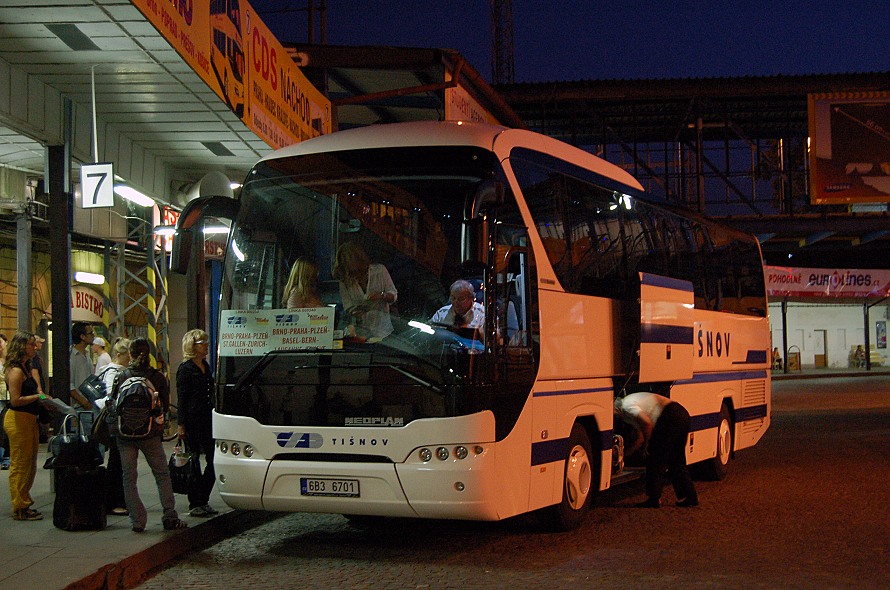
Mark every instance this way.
x=463 y=312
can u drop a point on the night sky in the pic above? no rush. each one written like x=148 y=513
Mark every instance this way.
x=576 y=40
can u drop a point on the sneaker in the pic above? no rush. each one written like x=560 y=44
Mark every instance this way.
x=200 y=511
x=687 y=502
x=26 y=514
x=650 y=503
x=119 y=511
x=4 y=466
x=210 y=510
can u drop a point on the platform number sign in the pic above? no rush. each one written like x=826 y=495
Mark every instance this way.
x=97 y=181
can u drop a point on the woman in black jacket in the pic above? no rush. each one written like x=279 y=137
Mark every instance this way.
x=194 y=386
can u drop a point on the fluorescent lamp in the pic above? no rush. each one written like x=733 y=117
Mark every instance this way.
x=164 y=230
x=234 y=185
x=215 y=229
x=133 y=195
x=89 y=277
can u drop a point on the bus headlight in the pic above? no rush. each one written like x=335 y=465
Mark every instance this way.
x=441 y=453
x=461 y=452
x=223 y=447
x=236 y=449
x=425 y=455
x=248 y=450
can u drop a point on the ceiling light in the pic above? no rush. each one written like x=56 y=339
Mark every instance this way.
x=133 y=195
x=164 y=230
x=89 y=277
x=73 y=37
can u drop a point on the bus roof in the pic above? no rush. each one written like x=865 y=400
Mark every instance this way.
x=444 y=133
x=418 y=133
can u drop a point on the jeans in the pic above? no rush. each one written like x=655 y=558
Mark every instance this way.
x=153 y=449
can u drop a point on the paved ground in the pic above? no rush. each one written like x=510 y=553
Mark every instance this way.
x=37 y=555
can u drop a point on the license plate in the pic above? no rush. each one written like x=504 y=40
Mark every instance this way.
x=323 y=486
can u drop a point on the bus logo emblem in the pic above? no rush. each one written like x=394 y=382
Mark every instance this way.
x=299 y=440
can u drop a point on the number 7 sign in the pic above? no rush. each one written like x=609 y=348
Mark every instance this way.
x=97 y=182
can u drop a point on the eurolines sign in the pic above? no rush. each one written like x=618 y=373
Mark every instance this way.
x=783 y=281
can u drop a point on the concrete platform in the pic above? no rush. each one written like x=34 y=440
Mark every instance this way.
x=37 y=555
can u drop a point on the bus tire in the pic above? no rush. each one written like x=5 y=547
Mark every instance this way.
x=578 y=483
x=717 y=468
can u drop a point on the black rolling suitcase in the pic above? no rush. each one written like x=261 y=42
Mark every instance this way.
x=79 y=477
x=80 y=498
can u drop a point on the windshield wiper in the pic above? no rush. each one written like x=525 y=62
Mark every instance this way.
x=258 y=367
x=415 y=378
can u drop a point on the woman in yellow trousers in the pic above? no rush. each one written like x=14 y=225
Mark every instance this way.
x=21 y=424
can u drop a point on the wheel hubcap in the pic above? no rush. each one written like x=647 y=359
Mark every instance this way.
x=578 y=477
x=724 y=442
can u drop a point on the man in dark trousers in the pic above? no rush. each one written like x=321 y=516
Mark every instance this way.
x=664 y=425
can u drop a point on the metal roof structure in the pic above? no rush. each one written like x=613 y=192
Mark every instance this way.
x=158 y=120
x=735 y=149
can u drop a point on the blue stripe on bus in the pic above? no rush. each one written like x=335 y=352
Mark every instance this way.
x=718 y=377
x=666 y=282
x=705 y=421
x=750 y=413
x=549 y=451
x=571 y=391
x=753 y=357
x=662 y=334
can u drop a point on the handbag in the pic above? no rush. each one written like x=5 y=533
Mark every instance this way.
x=93 y=389
x=100 y=431
x=72 y=447
x=183 y=466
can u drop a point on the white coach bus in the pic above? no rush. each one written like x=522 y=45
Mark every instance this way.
x=588 y=291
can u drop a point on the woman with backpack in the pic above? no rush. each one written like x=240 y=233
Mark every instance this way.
x=194 y=385
x=114 y=480
x=141 y=398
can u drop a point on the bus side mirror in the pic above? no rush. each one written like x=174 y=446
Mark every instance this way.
x=189 y=224
x=489 y=194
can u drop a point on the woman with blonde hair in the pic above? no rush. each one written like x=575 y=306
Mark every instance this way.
x=20 y=423
x=194 y=386
x=115 y=499
x=367 y=291
x=301 y=289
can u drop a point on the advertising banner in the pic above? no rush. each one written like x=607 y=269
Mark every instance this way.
x=783 y=281
x=850 y=148
x=231 y=49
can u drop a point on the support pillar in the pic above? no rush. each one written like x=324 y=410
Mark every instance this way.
x=60 y=203
x=23 y=270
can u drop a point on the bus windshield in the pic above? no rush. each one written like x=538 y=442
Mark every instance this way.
x=371 y=329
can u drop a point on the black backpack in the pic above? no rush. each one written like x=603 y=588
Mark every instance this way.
x=136 y=408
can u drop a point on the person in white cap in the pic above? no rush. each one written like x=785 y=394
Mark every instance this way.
x=102 y=357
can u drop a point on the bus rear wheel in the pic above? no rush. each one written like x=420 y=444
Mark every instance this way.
x=717 y=468
x=578 y=487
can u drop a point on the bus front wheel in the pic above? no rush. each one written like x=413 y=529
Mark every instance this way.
x=578 y=486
